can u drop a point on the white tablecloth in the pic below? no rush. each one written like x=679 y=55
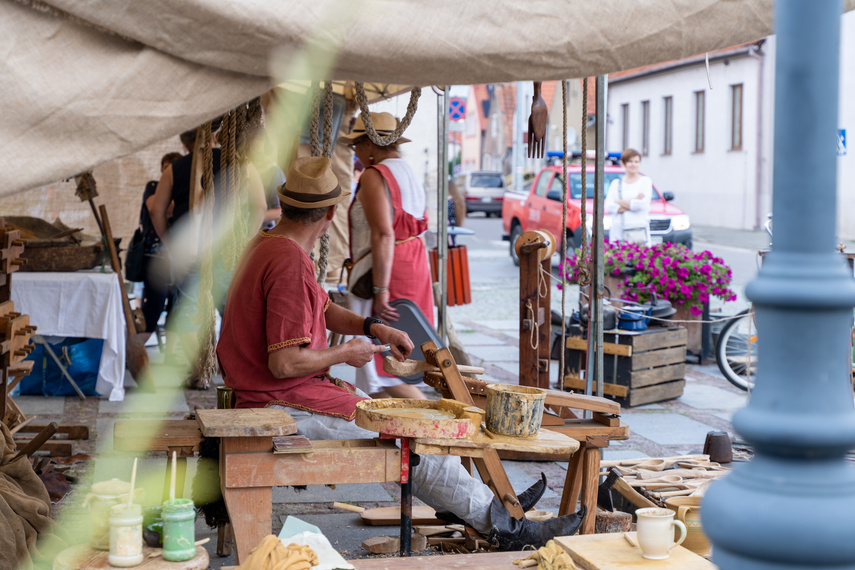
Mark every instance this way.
x=79 y=304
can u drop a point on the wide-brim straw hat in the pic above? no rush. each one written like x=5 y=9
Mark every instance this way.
x=384 y=123
x=310 y=183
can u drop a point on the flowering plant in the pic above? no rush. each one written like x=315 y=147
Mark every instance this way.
x=670 y=271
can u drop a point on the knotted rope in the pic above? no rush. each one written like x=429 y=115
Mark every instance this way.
x=316 y=150
x=584 y=269
x=380 y=140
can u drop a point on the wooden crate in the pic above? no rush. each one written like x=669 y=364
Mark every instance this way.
x=639 y=367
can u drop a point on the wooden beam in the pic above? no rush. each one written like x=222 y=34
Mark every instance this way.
x=608 y=388
x=326 y=465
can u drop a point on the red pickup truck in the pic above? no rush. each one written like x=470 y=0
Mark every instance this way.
x=539 y=208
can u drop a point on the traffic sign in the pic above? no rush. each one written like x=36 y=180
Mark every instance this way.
x=841 y=142
x=457 y=108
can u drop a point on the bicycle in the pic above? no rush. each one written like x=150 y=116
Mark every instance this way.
x=736 y=348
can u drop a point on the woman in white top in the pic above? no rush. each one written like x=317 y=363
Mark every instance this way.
x=628 y=202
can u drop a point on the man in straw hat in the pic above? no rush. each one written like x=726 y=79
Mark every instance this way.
x=273 y=352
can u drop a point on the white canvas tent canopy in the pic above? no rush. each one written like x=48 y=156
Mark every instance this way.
x=86 y=82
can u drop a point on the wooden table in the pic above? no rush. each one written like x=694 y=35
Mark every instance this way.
x=81 y=557
x=613 y=552
x=249 y=469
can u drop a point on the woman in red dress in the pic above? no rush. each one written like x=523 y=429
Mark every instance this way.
x=387 y=219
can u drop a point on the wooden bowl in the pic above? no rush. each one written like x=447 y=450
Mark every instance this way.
x=419 y=418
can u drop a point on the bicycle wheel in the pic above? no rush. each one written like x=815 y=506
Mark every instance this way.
x=736 y=350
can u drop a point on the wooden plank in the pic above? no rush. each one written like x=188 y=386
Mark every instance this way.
x=572 y=484
x=81 y=557
x=251 y=517
x=54 y=448
x=608 y=388
x=392 y=515
x=651 y=376
x=660 y=357
x=661 y=338
x=291 y=444
x=156 y=435
x=590 y=482
x=477 y=388
x=578 y=343
x=324 y=466
x=657 y=393
x=606 y=420
x=613 y=552
x=245 y=422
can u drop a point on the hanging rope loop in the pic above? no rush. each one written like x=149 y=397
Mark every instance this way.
x=377 y=139
x=582 y=262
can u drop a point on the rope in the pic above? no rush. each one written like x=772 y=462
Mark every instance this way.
x=584 y=270
x=534 y=336
x=327 y=150
x=563 y=232
x=379 y=140
x=328 y=118
x=206 y=362
x=314 y=144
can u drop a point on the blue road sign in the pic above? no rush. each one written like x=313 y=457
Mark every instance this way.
x=457 y=108
x=841 y=142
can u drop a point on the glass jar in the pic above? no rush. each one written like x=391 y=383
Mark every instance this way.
x=179 y=530
x=126 y=547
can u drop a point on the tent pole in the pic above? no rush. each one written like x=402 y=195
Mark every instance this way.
x=442 y=211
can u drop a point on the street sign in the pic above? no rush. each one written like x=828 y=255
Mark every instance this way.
x=457 y=108
x=841 y=142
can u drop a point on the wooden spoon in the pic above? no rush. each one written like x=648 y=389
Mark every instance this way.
x=410 y=367
x=537 y=124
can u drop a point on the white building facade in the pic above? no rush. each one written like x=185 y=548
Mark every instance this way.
x=708 y=137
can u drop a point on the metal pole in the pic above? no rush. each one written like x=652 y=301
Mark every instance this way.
x=442 y=212
x=788 y=507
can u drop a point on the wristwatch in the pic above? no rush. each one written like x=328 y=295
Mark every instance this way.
x=366 y=326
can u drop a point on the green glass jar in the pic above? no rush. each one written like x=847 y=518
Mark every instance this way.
x=179 y=530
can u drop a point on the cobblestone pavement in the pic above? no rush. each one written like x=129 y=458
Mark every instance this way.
x=488 y=328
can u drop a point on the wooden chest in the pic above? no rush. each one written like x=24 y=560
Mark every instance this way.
x=639 y=367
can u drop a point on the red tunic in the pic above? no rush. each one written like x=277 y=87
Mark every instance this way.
x=274 y=302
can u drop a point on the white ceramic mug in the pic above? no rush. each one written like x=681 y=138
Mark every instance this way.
x=656 y=534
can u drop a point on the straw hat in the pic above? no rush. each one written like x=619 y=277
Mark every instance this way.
x=384 y=123
x=311 y=184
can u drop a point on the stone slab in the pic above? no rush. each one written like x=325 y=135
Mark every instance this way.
x=41 y=405
x=162 y=401
x=705 y=397
x=471 y=339
x=342 y=493
x=667 y=428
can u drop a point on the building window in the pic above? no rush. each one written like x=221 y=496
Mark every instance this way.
x=736 y=117
x=700 y=114
x=624 y=112
x=645 y=128
x=668 y=110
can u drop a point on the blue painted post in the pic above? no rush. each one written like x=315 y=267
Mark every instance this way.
x=792 y=506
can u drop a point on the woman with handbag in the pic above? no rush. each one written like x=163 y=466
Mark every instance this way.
x=386 y=221
x=155 y=294
x=628 y=202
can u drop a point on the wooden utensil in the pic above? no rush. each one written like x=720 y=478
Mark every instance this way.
x=410 y=367
x=136 y=353
x=537 y=124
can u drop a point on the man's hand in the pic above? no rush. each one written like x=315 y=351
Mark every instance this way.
x=399 y=342
x=361 y=352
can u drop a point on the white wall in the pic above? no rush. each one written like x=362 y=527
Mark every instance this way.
x=717 y=187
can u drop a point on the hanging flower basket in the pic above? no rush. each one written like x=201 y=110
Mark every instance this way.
x=670 y=271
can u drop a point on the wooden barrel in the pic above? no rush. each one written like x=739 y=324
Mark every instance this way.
x=514 y=411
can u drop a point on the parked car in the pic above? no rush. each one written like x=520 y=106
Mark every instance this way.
x=483 y=191
x=540 y=208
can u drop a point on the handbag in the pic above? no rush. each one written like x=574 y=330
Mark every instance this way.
x=362 y=286
x=135 y=258
x=640 y=234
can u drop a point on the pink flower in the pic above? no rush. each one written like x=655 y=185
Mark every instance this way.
x=695 y=310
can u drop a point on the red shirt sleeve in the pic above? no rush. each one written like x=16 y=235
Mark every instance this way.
x=292 y=306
